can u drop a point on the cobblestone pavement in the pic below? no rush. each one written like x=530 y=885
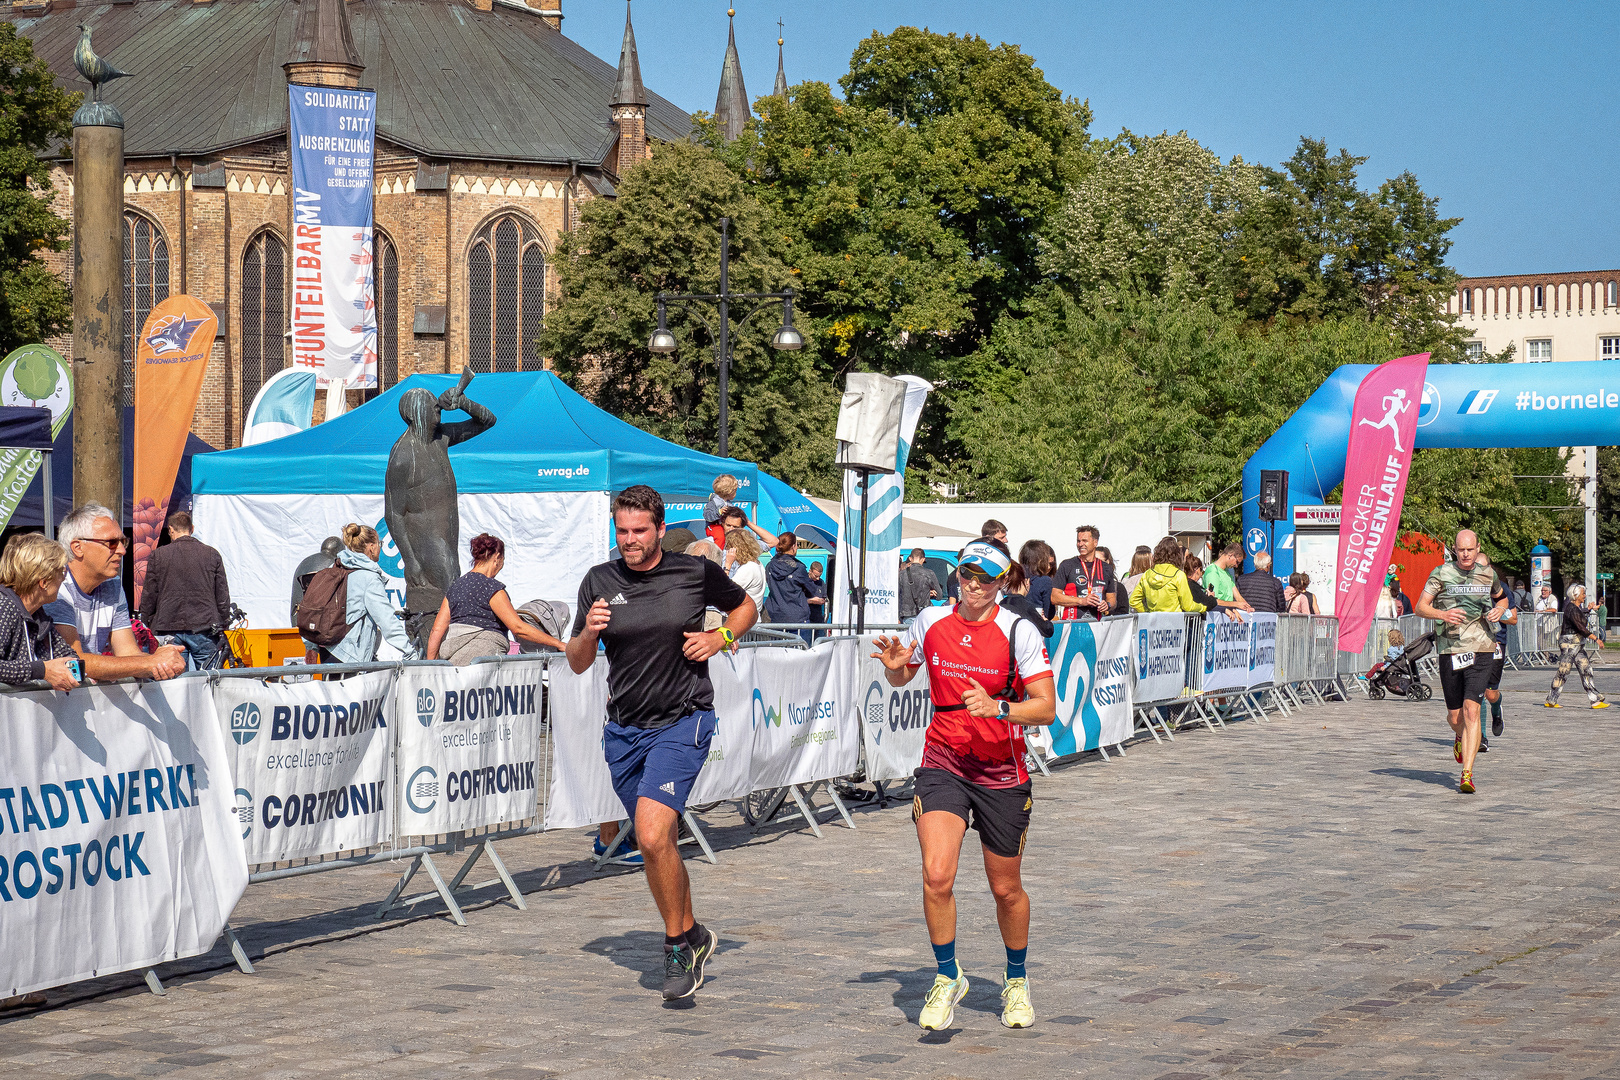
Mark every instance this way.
x=1304 y=897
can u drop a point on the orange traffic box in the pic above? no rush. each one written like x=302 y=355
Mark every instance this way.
x=267 y=648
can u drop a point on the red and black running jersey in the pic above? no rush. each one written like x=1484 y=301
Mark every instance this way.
x=981 y=750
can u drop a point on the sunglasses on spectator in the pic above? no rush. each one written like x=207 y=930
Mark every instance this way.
x=112 y=545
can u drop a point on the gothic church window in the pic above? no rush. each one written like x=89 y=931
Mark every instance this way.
x=264 y=313
x=506 y=281
x=146 y=285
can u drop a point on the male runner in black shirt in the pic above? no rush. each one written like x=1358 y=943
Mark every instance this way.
x=646 y=608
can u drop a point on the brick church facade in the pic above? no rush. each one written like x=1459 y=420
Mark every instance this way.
x=493 y=129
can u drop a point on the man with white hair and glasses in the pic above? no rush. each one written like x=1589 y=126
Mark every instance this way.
x=91 y=612
x=988 y=678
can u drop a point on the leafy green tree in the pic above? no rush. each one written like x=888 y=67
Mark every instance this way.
x=1448 y=490
x=662 y=234
x=1157 y=215
x=34 y=116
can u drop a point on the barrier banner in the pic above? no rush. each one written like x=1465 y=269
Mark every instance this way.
x=886 y=496
x=171 y=357
x=805 y=721
x=1091 y=667
x=36 y=377
x=334 y=315
x=118 y=845
x=1383 y=428
x=1161 y=657
x=1238 y=655
x=311 y=762
x=728 y=770
x=894 y=721
x=581 y=789
x=468 y=745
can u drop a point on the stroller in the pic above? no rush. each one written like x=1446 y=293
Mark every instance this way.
x=1400 y=675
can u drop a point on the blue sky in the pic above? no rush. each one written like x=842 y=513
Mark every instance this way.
x=1501 y=110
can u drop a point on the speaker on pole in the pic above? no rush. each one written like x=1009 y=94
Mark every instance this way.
x=1273 y=505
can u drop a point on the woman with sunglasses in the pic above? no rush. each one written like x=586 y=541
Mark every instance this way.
x=988 y=678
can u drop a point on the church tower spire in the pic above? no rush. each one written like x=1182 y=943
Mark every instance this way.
x=781 y=87
x=731 y=110
x=629 y=103
x=323 y=51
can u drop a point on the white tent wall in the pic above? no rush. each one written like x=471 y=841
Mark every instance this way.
x=552 y=539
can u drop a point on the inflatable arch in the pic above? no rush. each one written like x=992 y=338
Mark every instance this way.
x=1464 y=405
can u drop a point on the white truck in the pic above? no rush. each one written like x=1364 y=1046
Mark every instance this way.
x=1123 y=526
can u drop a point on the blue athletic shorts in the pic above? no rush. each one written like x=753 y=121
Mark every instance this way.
x=658 y=763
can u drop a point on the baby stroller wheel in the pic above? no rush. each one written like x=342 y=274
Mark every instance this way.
x=1422 y=692
x=1376 y=693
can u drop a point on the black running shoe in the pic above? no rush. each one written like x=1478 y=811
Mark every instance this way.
x=1496 y=722
x=702 y=954
x=682 y=973
x=1484 y=744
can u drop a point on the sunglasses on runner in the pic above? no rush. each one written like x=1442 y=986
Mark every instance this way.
x=975 y=574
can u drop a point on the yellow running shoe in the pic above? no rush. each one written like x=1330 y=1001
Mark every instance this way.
x=940 y=1005
x=1600 y=704
x=1016 y=1011
x=1467 y=785
x=1552 y=704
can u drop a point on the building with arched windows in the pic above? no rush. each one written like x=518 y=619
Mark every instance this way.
x=493 y=128
x=1570 y=316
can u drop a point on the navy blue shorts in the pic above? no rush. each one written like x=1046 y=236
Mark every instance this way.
x=658 y=763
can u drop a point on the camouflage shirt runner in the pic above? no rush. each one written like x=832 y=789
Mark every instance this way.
x=1473 y=592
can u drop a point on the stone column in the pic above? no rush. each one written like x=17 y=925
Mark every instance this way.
x=98 y=304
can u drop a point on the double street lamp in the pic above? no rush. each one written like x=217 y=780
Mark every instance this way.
x=786 y=337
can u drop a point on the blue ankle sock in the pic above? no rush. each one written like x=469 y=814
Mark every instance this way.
x=946 y=956
x=1015 y=962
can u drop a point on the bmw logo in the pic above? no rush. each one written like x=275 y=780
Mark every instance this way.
x=244 y=723
x=1255 y=540
x=425 y=705
x=1429 y=407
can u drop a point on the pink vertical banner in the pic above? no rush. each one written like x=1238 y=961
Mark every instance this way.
x=1383 y=427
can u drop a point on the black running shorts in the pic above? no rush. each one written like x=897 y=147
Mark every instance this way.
x=999 y=815
x=1467 y=684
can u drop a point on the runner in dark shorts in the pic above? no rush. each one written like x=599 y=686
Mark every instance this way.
x=1466 y=599
x=989 y=678
x=646 y=608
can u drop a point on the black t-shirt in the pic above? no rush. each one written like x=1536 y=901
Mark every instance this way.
x=469 y=597
x=1094 y=577
x=651 y=684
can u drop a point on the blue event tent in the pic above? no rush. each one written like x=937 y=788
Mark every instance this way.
x=547 y=438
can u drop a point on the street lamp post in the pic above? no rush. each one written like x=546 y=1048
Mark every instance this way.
x=786 y=337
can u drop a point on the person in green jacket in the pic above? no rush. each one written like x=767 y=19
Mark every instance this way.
x=1164 y=587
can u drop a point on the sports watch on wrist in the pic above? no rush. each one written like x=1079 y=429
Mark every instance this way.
x=726 y=636
x=1003 y=709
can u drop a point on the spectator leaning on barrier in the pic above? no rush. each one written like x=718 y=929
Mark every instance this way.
x=31 y=571
x=1091 y=578
x=371 y=616
x=918 y=585
x=186 y=595
x=1546 y=602
x=1164 y=586
x=1260 y=586
x=477 y=613
x=1219 y=581
x=1195 y=577
x=91 y=612
x=1119 y=597
x=312 y=565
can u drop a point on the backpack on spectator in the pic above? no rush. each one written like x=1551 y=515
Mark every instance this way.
x=323 y=612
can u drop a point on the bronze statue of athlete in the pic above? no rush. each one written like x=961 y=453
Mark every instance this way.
x=419 y=494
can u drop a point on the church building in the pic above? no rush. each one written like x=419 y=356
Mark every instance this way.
x=493 y=129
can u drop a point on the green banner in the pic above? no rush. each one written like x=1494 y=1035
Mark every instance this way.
x=36 y=377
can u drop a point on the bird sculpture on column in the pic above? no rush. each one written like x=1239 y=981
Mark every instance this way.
x=94 y=69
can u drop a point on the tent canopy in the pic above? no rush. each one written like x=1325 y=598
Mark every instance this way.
x=25 y=428
x=547 y=438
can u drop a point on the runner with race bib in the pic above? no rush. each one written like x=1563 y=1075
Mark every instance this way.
x=989 y=678
x=1466 y=599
